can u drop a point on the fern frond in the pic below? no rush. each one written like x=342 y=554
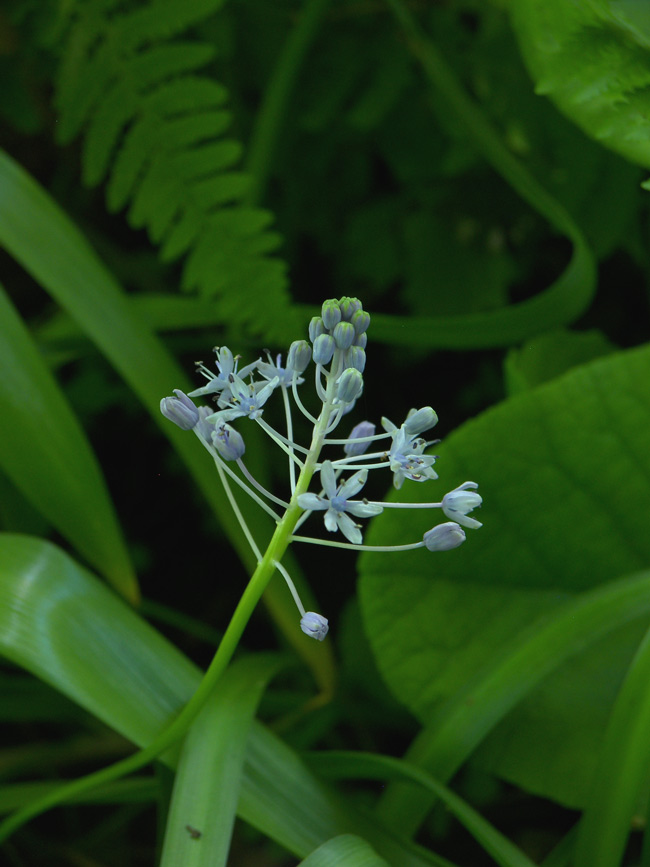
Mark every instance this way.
x=154 y=130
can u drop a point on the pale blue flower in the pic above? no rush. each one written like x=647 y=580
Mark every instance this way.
x=180 y=409
x=337 y=504
x=359 y=431
x=246 y=399
x=228 y=442
x=457 y=503
x=444 y=537
x=220 y=383
x=271 y=371
x=314 y=625
x=406 y=458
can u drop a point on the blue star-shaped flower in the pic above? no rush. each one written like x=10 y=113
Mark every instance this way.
x=337 y=504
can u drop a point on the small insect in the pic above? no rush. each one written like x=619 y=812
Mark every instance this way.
x=193 y=832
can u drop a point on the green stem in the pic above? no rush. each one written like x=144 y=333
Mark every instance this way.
x=259 y=580
x=276 y=97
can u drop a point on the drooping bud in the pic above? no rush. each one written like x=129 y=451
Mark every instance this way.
x=324 y=347
x=314 y=625
x=299 y=356
x=457 y=503
x=316 y=328
x=228 y=442
x=331 y=314
x=343 y=335
x=359 y=431
x=420 y=420
x=444 y=537
x=180 y=409
x=350 y=385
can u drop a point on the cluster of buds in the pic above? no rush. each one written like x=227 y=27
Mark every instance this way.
x=336 y=348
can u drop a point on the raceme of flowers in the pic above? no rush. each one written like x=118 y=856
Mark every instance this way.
x=336 y=353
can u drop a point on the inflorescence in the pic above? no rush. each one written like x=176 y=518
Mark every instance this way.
x=336 y=347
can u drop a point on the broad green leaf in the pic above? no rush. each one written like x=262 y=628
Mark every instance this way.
x=208 y=780
x=565 y=474
x=44 y=451
x=60 y=623
x=344 y=851
x=550 y=355
x=40 y=236
x=593 y=60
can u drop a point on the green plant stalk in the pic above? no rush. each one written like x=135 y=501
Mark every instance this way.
x=277 y=546
x=272 y=111
x=565 y=299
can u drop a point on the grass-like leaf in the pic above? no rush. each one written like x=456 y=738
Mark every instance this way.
x=349 y=765
x=208 y=780
x=344 y=851
x=44 y=451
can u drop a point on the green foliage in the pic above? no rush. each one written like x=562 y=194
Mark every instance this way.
x=156 y=127
x=591 y=59
x=405 y=158
x=567 y=504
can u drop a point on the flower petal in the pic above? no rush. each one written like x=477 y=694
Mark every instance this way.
x=353 y=485
x=349 y=528
x=312 y=501
x=328 y=479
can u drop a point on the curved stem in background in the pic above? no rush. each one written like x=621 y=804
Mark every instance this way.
x=569 y=296
x=271 y=114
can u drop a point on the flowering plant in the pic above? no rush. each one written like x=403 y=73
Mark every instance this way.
x=336 y=348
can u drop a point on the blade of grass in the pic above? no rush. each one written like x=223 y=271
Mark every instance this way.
x=349 y=765
x=621 y=776
x=45 y=453
x=344 y=851
x=208 y=780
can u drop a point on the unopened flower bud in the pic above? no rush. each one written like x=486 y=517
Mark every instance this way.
x=363 y=429
x=457 y=503
x=331 y=314
x=361 y=340
x=444 y=537
x=349 y=307
x=314 y=625
x=228 y=442
x=324 y=347
x=355 y=357
x=299 y=356
x=316 y=328
x=350 y=385
x=360 y=321
x=180 y=409
x=420 y=420
x=343 y=335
